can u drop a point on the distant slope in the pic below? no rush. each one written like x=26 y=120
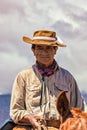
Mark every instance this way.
x=84 y=94
x=4 y=108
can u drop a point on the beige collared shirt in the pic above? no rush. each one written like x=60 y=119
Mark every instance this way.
x=26 y=93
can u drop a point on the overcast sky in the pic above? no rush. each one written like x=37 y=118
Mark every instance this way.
x=22 y=17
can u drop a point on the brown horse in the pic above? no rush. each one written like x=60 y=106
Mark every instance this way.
x=71 y=118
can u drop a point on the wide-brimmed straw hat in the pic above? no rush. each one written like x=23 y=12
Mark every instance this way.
x=44 y=37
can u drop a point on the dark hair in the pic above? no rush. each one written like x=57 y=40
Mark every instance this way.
x=33 y=46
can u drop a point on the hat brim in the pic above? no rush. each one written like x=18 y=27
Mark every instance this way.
x=43 y=42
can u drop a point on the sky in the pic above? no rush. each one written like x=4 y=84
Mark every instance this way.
x=20 y=18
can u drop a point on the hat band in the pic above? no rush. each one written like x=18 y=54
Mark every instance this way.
x=44 y=38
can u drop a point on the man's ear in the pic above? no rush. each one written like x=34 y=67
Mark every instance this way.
x=33 y=50
x=55 y=48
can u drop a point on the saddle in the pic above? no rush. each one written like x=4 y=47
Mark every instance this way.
x=41 y=127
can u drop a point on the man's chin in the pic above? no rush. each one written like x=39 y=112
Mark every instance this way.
x=46 y=63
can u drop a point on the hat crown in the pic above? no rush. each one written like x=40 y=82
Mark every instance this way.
x=44 y=37
x=44 y=33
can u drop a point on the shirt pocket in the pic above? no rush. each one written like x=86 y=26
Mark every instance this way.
x=60 y=87
x=33 y=94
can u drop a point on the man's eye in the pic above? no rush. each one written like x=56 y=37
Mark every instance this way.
x=48 y=48
x=39 y=48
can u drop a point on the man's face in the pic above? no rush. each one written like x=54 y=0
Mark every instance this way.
x=44 y=54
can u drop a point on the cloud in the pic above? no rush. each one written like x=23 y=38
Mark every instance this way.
x=11 y=64
x=11 y=6
x=18 y=18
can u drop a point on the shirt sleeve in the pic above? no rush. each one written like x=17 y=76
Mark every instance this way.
x=76 y=98
x=17 y=105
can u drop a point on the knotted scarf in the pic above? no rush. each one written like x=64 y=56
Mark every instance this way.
x=47 y=71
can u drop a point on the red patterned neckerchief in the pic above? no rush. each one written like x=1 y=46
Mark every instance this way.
x=47 y=71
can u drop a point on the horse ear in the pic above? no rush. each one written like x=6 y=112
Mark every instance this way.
x=62 y=105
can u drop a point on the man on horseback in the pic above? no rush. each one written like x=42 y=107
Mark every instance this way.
x=34 y=92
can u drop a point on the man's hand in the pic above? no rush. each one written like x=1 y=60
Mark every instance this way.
x=35 y=120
